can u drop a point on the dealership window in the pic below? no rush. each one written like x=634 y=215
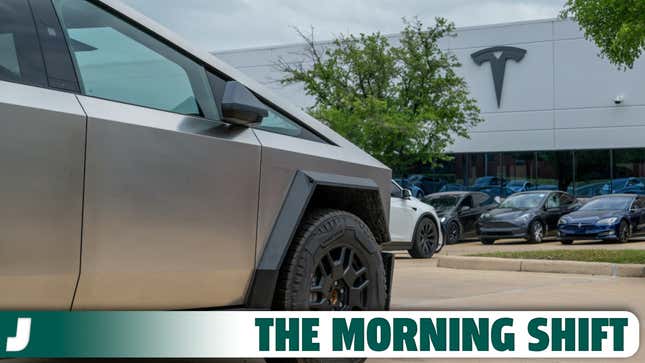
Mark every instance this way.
x=485 y=174
x=519 y=170
x=119 y=62
x=554 y=170
x=20 y=56
x=629 y=171
x=592 y=173
x=449 y=176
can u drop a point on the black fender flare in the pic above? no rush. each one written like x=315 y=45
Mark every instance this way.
x=303 y=186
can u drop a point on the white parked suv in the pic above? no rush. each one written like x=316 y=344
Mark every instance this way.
x=414 y=225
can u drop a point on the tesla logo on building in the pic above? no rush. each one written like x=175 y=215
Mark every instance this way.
x=497 y=57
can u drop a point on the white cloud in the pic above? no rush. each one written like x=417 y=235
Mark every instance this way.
x=230 y=24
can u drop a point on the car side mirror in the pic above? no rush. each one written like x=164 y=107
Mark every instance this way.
x=240 y=106
x=464 y=208
x=407 y=194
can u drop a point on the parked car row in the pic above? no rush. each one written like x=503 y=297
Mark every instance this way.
x=422 y=185
x=424 y=227
x=536 y=215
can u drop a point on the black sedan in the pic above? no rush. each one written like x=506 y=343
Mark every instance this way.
x=528 y=215
x=609 y=217
x=459 y=212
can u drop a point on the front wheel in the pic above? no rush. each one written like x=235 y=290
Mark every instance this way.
x=425 y=239
x=334 y=264
x=624 y=232
x=453 y=233
x=536 y=232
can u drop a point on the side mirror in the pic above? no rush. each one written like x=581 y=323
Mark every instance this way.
x=240 y=106
x=464 y=208
x=407 y=194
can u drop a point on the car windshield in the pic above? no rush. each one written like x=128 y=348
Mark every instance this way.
x=611 y=203
x=523 y=201
x=444 y=202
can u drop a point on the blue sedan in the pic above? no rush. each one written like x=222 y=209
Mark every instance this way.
x=615 y=217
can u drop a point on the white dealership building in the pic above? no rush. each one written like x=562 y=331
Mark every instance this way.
x=556 y=114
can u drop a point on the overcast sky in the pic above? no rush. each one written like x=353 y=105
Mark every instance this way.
x=217 y=25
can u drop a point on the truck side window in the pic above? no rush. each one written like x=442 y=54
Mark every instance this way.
x=20 y=58
x=117 y=61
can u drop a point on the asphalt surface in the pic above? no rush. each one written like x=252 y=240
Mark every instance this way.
x=420 y=285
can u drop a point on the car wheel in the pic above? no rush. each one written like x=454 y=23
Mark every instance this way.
x=624 y=232
x=334 y=264
x=487 y=241
x=566 y=241
x=425 y=239
x=536 y=232
x=453 y=233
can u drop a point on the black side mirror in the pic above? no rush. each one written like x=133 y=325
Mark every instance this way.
x=407 y=194
x=240 y=106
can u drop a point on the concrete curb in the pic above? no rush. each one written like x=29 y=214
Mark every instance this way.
x=522 y=265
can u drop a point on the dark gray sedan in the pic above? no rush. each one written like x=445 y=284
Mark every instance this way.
x=529 y=215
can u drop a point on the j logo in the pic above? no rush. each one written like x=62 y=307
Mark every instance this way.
x=21 y=340
x=498 y=64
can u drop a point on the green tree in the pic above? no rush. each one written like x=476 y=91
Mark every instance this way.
x=403 y=103
x=616 y=26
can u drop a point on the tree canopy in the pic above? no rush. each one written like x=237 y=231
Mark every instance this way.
x=616 y=26
x=400 y=100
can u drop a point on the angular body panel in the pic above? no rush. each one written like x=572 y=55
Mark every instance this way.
x=170 y=210
x=42 y=142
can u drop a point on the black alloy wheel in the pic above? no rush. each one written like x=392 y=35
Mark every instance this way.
x=624 y=232
x=454 y=233
x=425 y=240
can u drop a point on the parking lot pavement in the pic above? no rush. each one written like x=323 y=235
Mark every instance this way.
x=420 y=285
x=475 y=247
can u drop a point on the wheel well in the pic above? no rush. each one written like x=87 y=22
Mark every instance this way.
x=429 y=216
x=364 y=203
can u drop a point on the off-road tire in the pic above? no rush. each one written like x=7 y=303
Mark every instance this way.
x=323 y=234
x=425 y=239
x=330 y=249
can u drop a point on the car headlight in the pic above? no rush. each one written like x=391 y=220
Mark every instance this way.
x=443 y=219
x=562 y=221
x=484 y=216
x=607 y=221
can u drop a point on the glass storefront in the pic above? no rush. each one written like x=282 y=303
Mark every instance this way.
x=583 y=173
x=593 y=173
x=628 y=171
